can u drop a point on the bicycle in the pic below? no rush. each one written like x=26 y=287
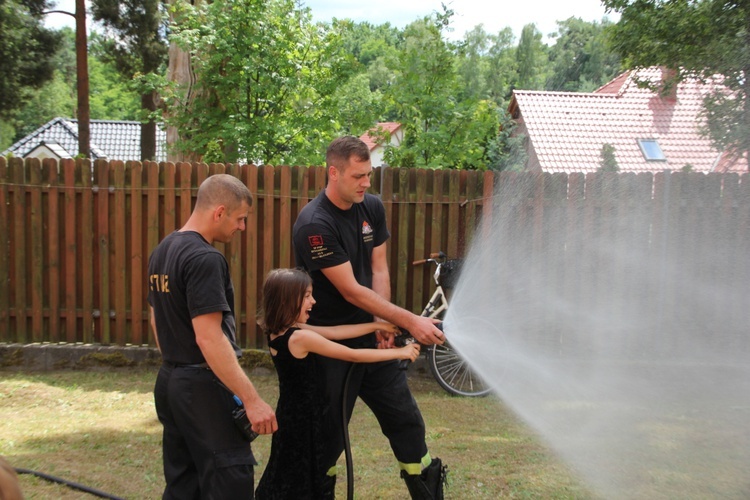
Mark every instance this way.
x=450 y=371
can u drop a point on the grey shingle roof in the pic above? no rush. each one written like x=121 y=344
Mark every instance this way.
x=114 y=140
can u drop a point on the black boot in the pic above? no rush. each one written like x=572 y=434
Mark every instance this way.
x=429 y=484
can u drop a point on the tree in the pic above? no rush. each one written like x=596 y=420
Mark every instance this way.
x=609 y=161
x=445 y=125
x=113 y=96
x=531 y=57
x=487 y=65
x=265 y=77
x=26 y=52
x=424 y=94
x=357 y=106
x=580 y=58
x=705 y=39
x=56 y=97
x=135 y=42
x=502 y=67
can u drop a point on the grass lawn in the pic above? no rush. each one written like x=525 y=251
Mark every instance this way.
x=99 y=429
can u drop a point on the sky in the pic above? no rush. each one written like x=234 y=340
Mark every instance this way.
x=494 y=15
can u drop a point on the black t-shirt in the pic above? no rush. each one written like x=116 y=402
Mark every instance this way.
x=187 y=278
x=326 y=236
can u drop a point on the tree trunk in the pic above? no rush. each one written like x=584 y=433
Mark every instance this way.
x=180 y=70
x=148 y=130
x=82 y=79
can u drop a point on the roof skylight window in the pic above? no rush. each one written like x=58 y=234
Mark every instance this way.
x=651 y=150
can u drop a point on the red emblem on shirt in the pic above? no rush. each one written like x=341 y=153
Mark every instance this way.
x=315 y=240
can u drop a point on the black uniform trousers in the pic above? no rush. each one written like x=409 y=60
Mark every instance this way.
x=205 y=455
x=384 y=389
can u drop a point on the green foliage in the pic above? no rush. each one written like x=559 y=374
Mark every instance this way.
x=486 y=65
x=440 y=128
x=265 y=80
x=532 y=58
x=274 y=87
x=358 y=107
x=580 y=58
x=135 y=44
x=507 y=151
x=110 y=96
x=26 y=52
x=609 y=160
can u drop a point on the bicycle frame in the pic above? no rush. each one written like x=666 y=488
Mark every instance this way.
x=450 y=371
x=436 y=305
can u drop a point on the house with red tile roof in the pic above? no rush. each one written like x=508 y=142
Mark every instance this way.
x=381 y=135
x=650 y=131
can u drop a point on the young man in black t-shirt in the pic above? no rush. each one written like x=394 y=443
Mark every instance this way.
x=192 y=314
x=340 y=239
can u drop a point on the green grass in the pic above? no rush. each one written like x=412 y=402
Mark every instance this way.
x=100 y=429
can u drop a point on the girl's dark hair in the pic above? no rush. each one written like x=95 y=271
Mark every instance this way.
x=283 y=293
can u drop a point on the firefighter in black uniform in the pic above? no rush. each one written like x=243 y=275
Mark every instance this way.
x=340 y=239
x=192 y=313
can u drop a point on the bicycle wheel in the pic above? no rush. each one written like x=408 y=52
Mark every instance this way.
x=453 y=373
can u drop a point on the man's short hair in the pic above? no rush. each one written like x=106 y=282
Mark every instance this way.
x=342 y=149
x=222 y=189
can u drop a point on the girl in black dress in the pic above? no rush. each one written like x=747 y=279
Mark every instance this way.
x=294 y=469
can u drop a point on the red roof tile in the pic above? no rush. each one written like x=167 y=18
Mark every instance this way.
x=371 y=136
x=568 y=129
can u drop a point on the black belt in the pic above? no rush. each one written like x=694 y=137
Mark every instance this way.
x=203 y=365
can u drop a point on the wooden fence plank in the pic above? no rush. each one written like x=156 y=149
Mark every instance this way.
x=419 y=236
x=269 y=219
x=71 y=250
x=402 y=241
x=52 y=259
x=742 y=264
x=19 y=264
x=184 y=184
x=552 y=264
x=168 y=198
x=118 y=283
x=87 y=232
x=469 y=207
x=730 y=252
x=454 y=191
x=284 y=248
x=136 y=270
x=249 y=334
x=103 y=178
x=153 y=197
x=36 y=243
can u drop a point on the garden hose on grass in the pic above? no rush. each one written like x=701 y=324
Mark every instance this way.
x=69 y=484
x=347 y=444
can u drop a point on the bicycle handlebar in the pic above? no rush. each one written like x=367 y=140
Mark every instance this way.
x=433 y=258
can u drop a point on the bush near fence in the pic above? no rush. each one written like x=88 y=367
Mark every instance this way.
x=75 y=236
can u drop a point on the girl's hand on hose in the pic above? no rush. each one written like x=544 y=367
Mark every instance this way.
x=409 y=351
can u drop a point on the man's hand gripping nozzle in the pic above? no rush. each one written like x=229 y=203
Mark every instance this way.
x=406 y=338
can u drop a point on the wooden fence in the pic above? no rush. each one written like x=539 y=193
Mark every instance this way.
x=75 y=236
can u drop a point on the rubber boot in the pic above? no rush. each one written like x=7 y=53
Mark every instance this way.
x=428 y=485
